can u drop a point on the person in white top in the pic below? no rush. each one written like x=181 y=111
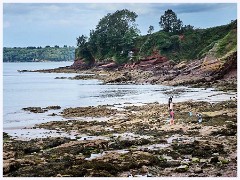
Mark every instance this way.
x=170 y=104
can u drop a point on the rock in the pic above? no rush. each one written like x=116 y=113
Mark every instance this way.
x=181 y=65
x=53 y=107
x=195 y=160
x=10 y=165
x=223 y=160
x=60 y=77
x=53 y=114
x=185 y=162
x=144 y=169
x=198 y=170
x=79 y=64
x=182 y=168
x=214 y=159
x=8 y=155
x=203 y=160
x=149 y=175
x=99 y=111
x=34 y=109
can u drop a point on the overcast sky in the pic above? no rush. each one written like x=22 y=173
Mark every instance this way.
x=38 y=24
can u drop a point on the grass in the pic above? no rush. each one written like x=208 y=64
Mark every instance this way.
x=227 y=44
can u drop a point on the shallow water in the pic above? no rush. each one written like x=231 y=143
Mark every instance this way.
x=33 y=89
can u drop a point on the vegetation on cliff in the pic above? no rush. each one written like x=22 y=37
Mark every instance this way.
x=35 y=54
x=116 y=35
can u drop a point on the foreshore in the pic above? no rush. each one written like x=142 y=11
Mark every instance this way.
x=131 y=141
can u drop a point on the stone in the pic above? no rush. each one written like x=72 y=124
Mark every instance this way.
x=144 y=169
x=195 y=160
x=53 y=107
x=214 y=159
x=224 y=161
x=203 y=160
x=149 y=175
x=198 y=170
x=185 y=162
x=182 y=168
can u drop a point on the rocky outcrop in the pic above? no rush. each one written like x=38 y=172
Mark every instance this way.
x=79 y=64
x=99 y=111
x=41 y=110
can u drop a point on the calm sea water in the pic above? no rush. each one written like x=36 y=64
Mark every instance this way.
x=42 y=89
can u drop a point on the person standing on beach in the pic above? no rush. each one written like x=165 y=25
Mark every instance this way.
x=170 y=105
x=171 y=112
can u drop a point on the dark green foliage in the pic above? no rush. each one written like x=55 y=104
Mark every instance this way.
x=33 y=54
x=113 y=37
x=170 y=23
x=83 y=51
x=150 y=30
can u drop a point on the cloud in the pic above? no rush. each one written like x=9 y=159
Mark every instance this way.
x=200 y=7
x=78 y=18
x=45 y=11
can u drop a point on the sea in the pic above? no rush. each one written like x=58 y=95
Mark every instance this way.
x=35 y=89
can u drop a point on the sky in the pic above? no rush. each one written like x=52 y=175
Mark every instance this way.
x=42 y=24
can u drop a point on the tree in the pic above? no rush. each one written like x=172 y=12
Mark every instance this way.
x=115 y=33
x=150 y=30
x=83 y=50
x=81 y=40
x=188 y=28
x=170 y=23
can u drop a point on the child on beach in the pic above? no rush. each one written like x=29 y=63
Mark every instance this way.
x=171 y=112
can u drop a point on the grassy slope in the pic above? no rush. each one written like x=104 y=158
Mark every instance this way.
x=193 y=45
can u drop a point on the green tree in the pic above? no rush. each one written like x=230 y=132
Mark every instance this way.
x=114 y=35
x=188 y=28
x=83 y=50
x=150 y=29
x=170 y=23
